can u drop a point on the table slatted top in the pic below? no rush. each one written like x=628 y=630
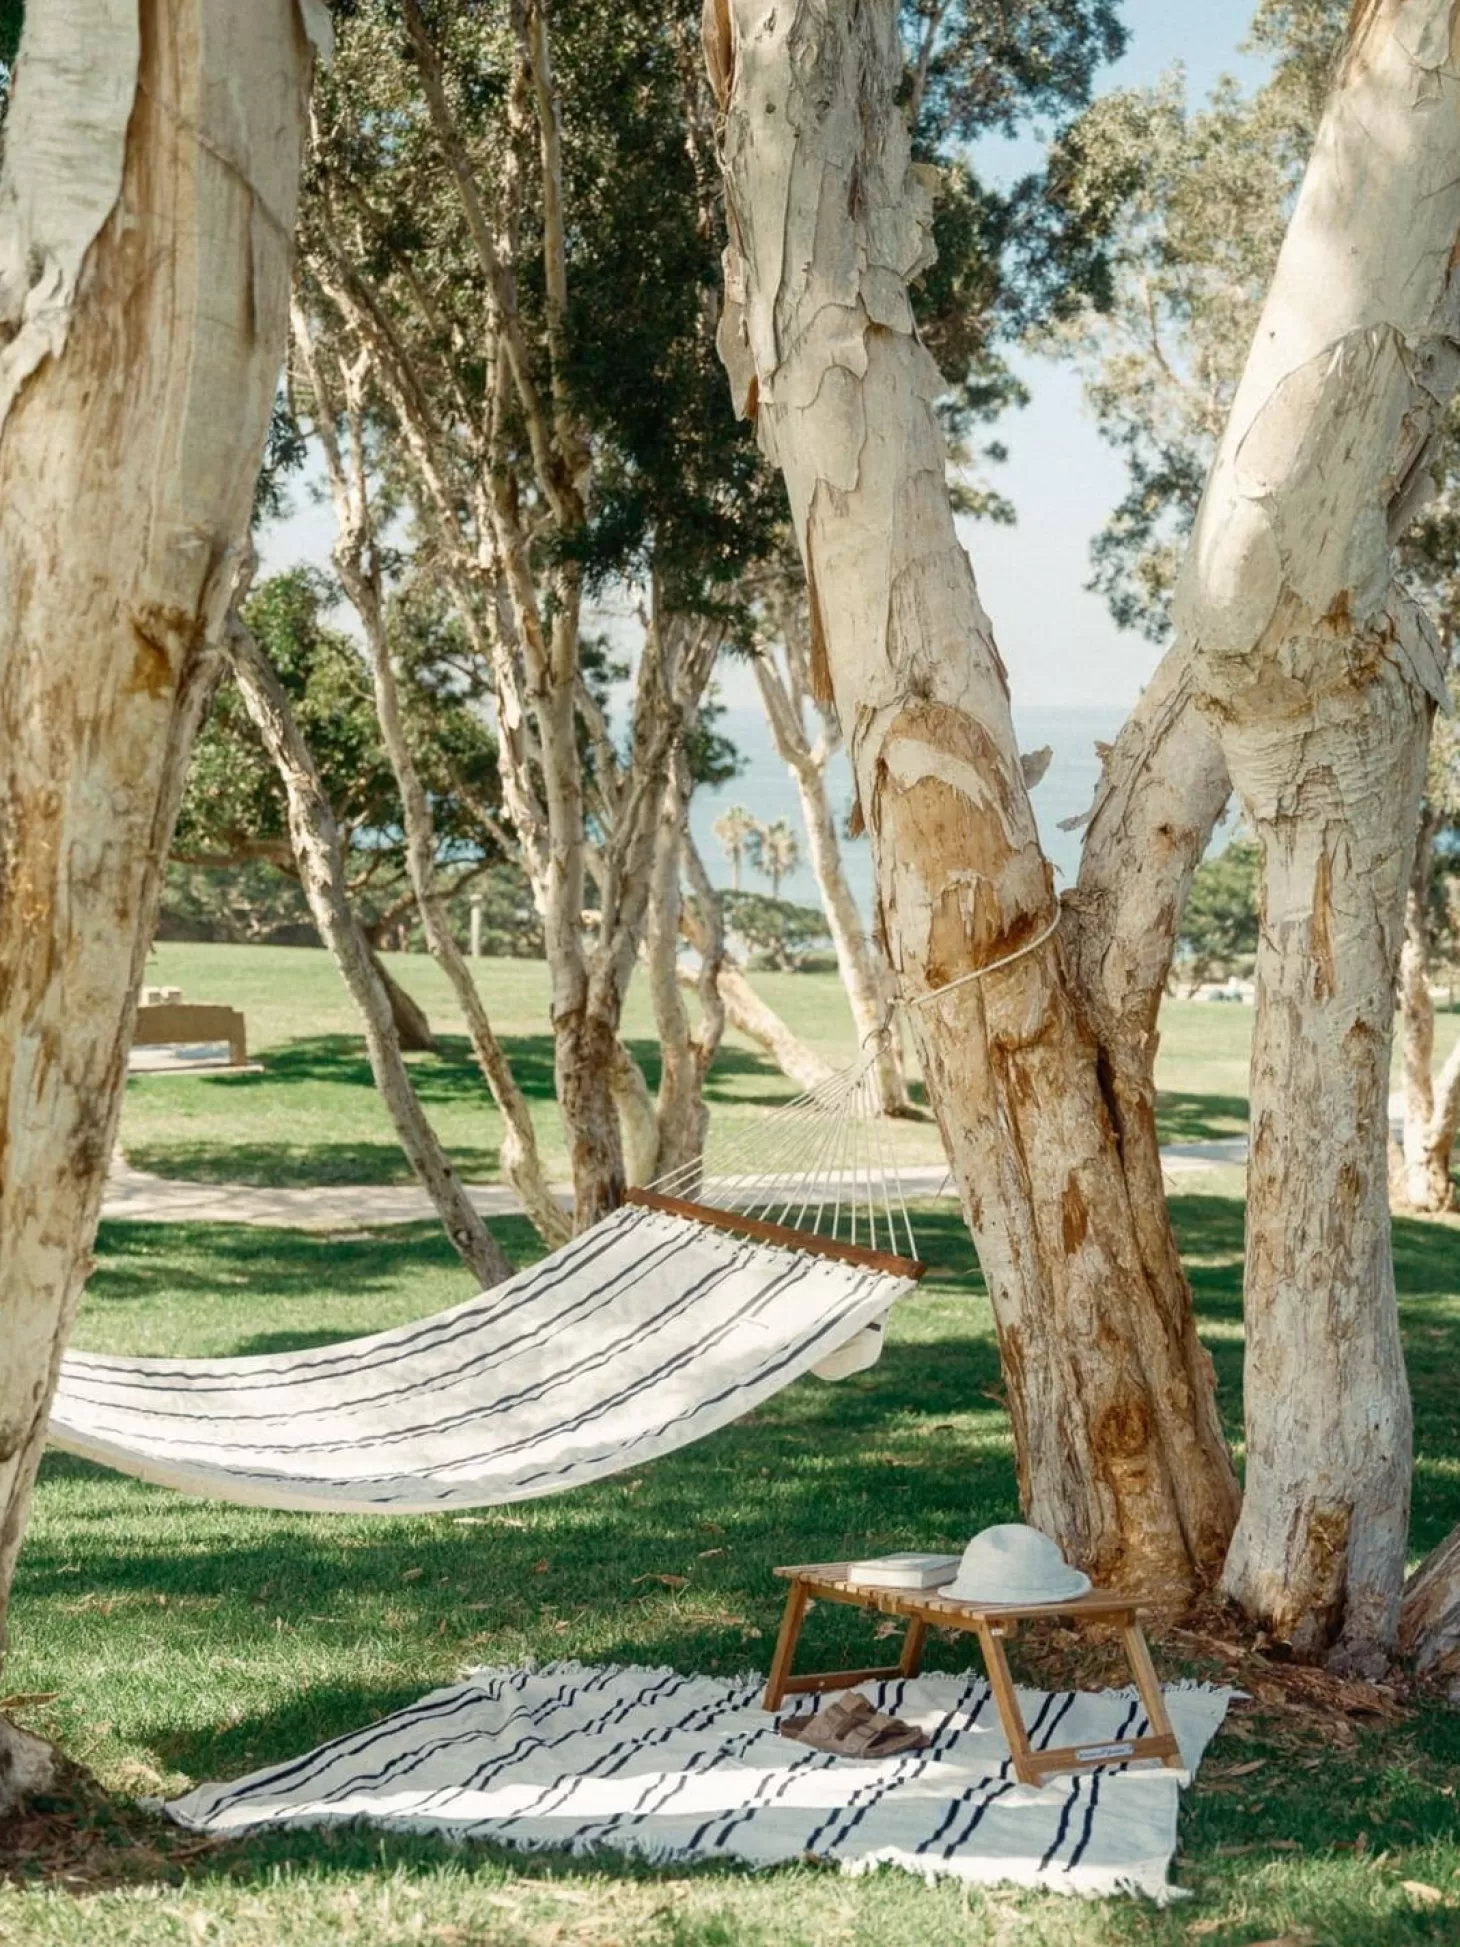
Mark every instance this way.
x=830 y=1579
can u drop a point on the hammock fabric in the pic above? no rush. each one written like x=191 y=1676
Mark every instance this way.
x=662 y=1323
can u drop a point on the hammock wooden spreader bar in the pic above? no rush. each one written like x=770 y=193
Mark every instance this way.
x=910 y=1268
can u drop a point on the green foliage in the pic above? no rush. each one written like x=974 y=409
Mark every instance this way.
x=285 y=452
x=713 y=757
x=1220 y=922
x=677 y=485
x=1197 y=202
x=511 y=928
x=735 y=828
x=12 y=19
x=231 y=843
x=247 y=903
x=780 y=936
x=775 y=850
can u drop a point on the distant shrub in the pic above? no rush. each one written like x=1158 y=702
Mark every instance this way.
x=777 y=935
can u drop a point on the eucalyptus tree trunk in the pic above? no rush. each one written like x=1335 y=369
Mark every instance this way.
x=1322 y=676
x=1429 y=1624
x=1420 y=1179
x=681 y=1116
x=357 y=562
x=319 y=857
x=855 y=954
x=1439 y=1148
x=744 y=1009
x=146 y=207
x=1120 y=1457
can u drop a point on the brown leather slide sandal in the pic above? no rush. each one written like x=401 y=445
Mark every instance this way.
x=850 y=1728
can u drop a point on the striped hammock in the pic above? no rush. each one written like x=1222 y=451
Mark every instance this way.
x=668 y=1320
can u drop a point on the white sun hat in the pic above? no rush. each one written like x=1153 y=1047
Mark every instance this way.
x=1015 y=1564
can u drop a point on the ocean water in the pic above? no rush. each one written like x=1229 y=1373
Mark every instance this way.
x=765 y=788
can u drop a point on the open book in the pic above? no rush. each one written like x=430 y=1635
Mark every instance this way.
x=904 y=1571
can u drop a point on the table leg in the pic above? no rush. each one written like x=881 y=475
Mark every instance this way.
x=911 y=1660
x=1002 y=1685
x=1148 y=1686
x=785 y=1655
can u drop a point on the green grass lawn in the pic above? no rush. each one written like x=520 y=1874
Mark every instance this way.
x=313 y=1115
x=189 y=1640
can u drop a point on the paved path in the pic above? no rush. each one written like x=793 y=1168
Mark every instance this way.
x=135 y=1197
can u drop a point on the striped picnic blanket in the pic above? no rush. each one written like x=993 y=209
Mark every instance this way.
x=690 y=1767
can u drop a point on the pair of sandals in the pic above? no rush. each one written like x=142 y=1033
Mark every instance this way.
x=850 y=1728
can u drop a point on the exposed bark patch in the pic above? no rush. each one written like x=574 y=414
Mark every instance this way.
x=151 y=666
x=1123 y=1430
x=821 y=690
x=1075 y=1218
x=1338 y=616
x=1316 y=1597
x=1325 y=972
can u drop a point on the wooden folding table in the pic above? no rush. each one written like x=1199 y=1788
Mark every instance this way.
x=993 y=1625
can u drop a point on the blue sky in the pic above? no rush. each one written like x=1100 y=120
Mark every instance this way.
x=1057 y=639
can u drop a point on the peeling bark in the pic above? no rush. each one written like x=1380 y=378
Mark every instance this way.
x=829 y=222
x=1429 y=1626
x=146 y=209
x=1322 y=675
x=1419 y=1178
x=320 y=859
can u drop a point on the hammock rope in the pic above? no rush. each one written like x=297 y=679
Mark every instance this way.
x=816 y=1171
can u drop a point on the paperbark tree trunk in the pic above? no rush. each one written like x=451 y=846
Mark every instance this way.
x=320 y=860
x=1322 y=675
x=854 y=952
x=1429 y=1626
x=1439 y=1146
x=1163 y=787
x=146 y=208
x=638 y=1125
x=681 y=1116
x=521 y=1161
x=828 y=224
x=1421 y=1178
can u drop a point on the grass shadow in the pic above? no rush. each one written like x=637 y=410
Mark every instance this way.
x=1186 y=1118
x=672 y=1563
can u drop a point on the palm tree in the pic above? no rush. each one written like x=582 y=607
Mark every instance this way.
x=774 y=850
x=736 y=829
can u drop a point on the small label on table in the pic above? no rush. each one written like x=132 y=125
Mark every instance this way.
x=1088 y=1753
